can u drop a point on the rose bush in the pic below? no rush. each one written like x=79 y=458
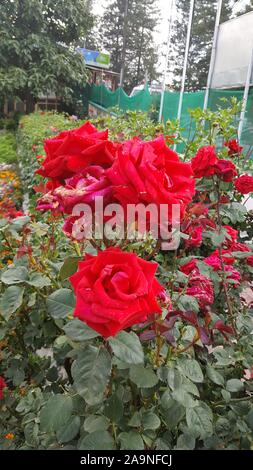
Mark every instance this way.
x=119 y=344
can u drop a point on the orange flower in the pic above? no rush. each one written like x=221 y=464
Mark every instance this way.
x=9 y=436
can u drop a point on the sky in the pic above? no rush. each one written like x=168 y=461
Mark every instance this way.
x=161 y=34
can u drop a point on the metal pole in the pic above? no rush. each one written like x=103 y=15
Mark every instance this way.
x=213 y=54
x=122 y=71
x=166 y=61
x=245 y=96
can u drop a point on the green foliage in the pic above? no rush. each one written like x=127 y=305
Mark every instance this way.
x=7 y=148
x=37 y=51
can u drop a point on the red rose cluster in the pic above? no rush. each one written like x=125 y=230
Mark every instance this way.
x=83 y=164
x=206 y=163
x=115 y=290
x=200 y=286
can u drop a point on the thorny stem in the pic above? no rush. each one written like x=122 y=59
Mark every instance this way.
x=224 y=284
x=233 y=400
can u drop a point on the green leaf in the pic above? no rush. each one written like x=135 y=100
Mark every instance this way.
x=234 y=385
x=97 y=440
x=191 y=369
x=234 y=211
x=15 y=275
x=250 y=419
x=56 y=413
x=218 y=238
x=200 y=420
x=214 y=375
x=96 y=423
x=135 y=420
x=187 y=303
x=131 y=441
x=224 y=357
x=11 y=300
x=143 y=377
x=69 y=267
x=174 y=378
x=31 y=431
x=185 y=442
x=184 y=398
x=38 y=280
x=127 y=347
x=77 y=330
x=150 y=420
x=114 y=408
x=69 y=430
x=91 y=372
x=61 y=303
x=172 y=413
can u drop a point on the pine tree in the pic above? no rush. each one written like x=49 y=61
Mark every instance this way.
x=201 y=41
x=141 y=56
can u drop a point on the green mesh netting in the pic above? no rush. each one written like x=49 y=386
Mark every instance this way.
x=144 y=101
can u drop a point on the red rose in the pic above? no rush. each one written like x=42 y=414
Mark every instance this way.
x=3 y=385
x=244 y=184
x=201 y=288
x=149 y=172
x=213 y=261
x=78 y=189
x=71 y=152
x=203 y=164
x=189 y=267
x=250 y=260
x=226 y=170
x=115 y=290
x=233 y=147
x=233 y=274
x=195 y=237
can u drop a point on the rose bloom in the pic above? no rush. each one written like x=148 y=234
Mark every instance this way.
x=203 y=164
x=71 y=152
x=226 y=170
x=250 y=260
x=244 y=184
x=80 y=189
x=115 y=290
x=149 y=172
x=189 y=267
x=3 y=385
x=201 y=288
x=227 y=257
x=213 y=261
x=233 y=274
x=233 y=147
x=195 y=237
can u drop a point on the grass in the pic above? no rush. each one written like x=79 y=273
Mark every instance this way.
x=7 y=147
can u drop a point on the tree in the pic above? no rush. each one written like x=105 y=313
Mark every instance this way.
x=37 y=47
x=201 y=41
x=246 y=9
x=141 y=56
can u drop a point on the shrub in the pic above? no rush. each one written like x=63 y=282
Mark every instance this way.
x=7 y=148
x=77 y=371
